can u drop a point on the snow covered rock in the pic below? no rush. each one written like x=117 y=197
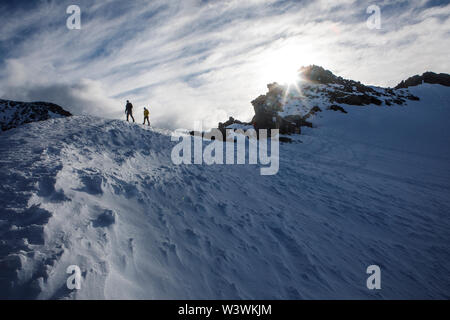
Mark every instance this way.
x=428 y=77
x=286 y=107
x=232 y=123
x=335 y=107
x=14 y=113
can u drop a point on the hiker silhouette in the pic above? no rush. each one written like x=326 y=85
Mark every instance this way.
x=129 y=110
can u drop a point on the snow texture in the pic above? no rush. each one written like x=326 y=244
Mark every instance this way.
x=368 y=187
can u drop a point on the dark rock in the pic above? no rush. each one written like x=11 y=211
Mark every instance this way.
x=356 y=100
x=412 y=97
x=266 y=120
x=271 y=101
x=18 y=113
x=285 y=139
x=318 y=75
x=299 y=121
x=335 y=107
x=288 y=127
x=315 y=109
x=427 y=77
x=398 y=101
x=311 y=112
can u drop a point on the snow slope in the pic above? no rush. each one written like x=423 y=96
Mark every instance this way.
x=368 y=187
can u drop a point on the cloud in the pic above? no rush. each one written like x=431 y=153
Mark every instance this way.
x=206 y=60
x=86 y=97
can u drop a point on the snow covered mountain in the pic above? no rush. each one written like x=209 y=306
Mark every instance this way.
x=288 y=107
x=14 y=113
x=369 y=186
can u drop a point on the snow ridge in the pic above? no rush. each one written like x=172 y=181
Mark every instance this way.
x=367 y=187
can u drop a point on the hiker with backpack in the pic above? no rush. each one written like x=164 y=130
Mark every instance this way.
x=129 y=110
x=146 y=115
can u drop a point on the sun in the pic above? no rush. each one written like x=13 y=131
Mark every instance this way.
x=286 y=74
x=282 y=65
x=283 y=71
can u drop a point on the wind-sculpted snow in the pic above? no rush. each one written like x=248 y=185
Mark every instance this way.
x=362 y=188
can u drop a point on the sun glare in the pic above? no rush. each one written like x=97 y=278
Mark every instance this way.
x=282 y=65
x=283 y=71
x=287 y=74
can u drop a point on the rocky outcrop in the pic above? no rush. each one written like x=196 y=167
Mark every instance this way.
x=14 y=113
x=427 y=77
x=267 y=108
x=350 y=92
x=231 y=121
x=335 y=107
x=288 y=108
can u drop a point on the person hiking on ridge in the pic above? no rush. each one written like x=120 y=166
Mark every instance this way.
x=146 y=114
x=129 y=110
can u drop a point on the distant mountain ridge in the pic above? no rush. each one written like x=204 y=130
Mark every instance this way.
x=287 y=107
x=427 y=77
x=15 y=113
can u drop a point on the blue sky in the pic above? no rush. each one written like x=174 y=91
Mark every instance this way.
x=193 y=59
